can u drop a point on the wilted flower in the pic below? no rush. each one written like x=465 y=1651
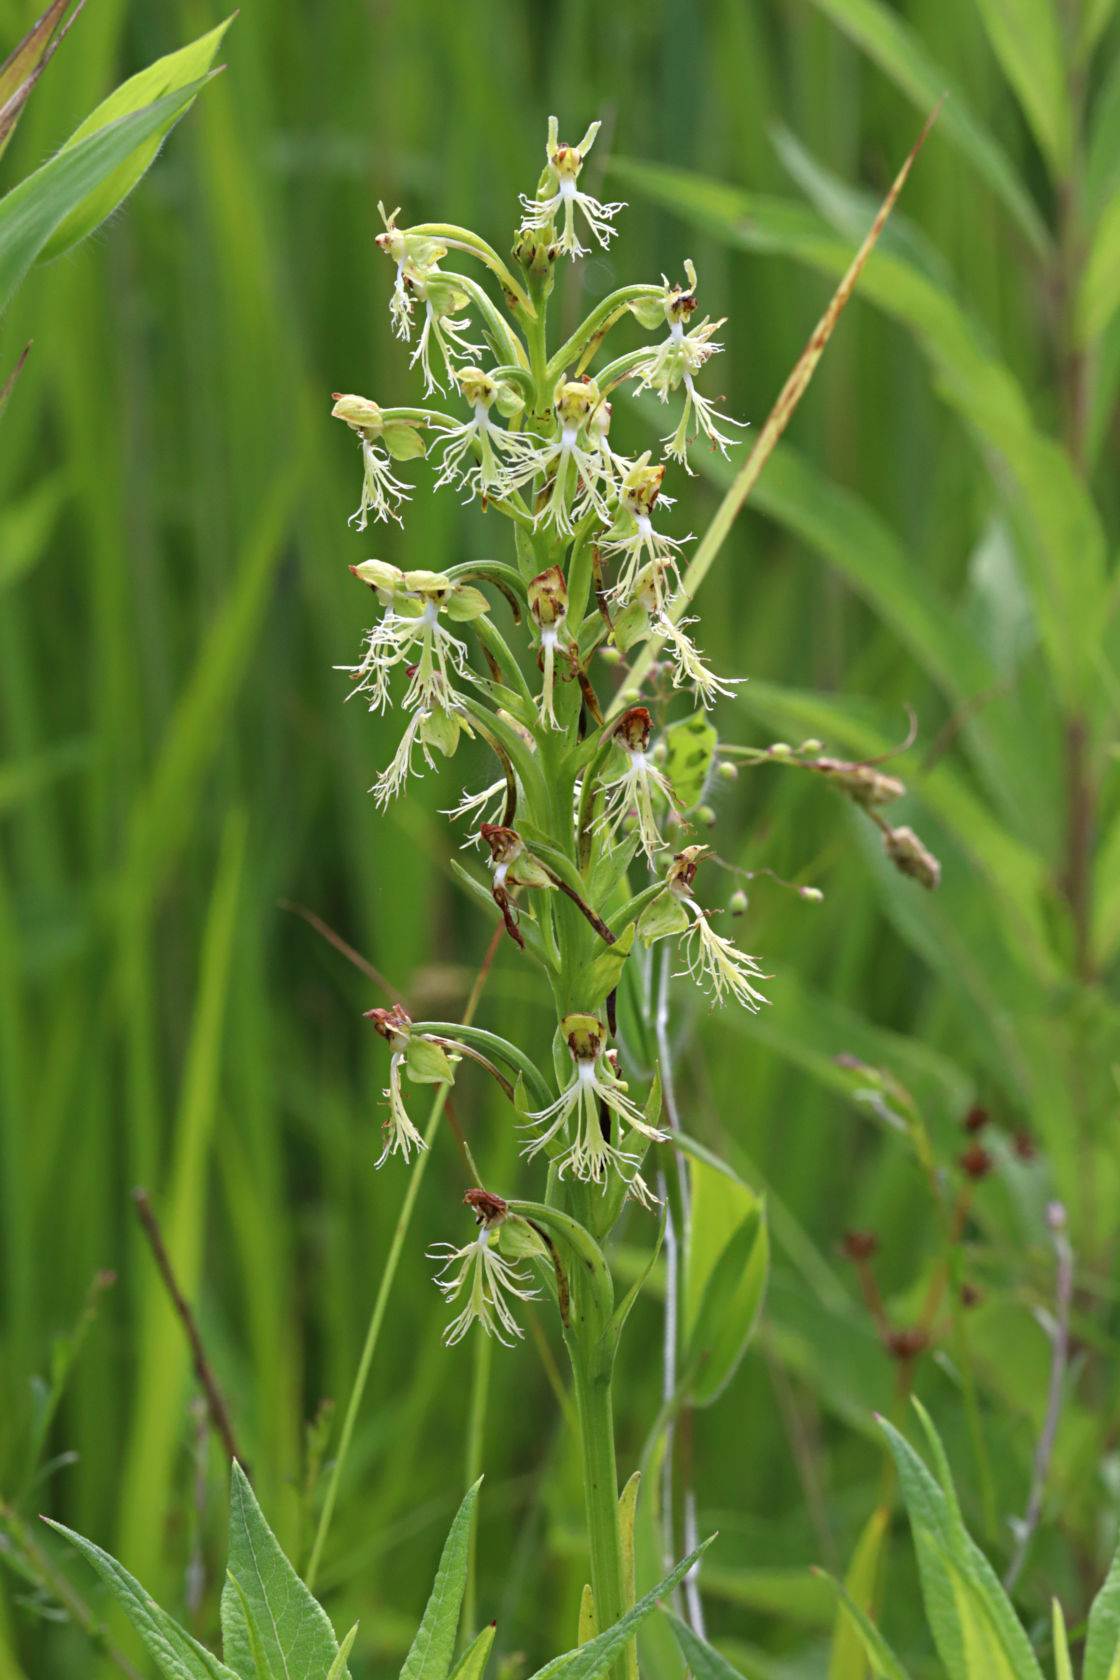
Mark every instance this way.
x=558 y=188
x=425 y=1062
x=548 y=603
x=709 y=956
x=911 y=857
x=632 y=791
x=596 y=1088
x=485 y=1275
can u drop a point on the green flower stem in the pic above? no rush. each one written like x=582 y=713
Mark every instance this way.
x=476 y=1431
x=602 y=317
x=592 y=1388
x=380 y=1305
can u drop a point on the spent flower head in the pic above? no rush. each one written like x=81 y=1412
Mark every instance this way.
x=481 y=1274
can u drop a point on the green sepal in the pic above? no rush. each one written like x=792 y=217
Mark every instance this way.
x=630 y=626
x=442 y=730
x=403 y=441
x=464 y=603
x=473 y=1660
x=602 y=974
x=648 y=312
x=428 y=1063
x=662 y=917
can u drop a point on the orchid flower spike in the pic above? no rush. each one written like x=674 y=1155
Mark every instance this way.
x=559 y=188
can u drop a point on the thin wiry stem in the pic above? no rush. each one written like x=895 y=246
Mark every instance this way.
x=1057 y=1328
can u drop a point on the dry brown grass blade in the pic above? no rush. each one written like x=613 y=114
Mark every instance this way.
x=776 y=422
x=6 y=388
x=26 y=63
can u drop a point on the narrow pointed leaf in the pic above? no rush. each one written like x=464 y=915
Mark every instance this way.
x=31 y=212
x=1063 y=1668
x=705 y=1662
x=472 y=1663
x=175 y=1653
x=884 y=1664
x=1026 y=38
x=1102 y=1642
x=297 y=1639
x=593 y=1659
x=338 y=1666
x=173 y=74
x=970 y=1615
x=901 y=54
x=434 y=1646
x=849 y=1658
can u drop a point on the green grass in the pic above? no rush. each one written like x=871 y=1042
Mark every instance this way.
x=177 y=761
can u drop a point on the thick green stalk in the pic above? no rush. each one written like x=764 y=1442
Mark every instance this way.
x=592 y=1387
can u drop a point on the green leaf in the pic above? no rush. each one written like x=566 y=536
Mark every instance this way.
x=849 y=1656
x=338 y=1666
x=1099 y=293
x=900 y=53
x=727 y=1262
x=690 y=751
x=26 y=63
x=298 y=1641
x=175 y=1653
x=473 y=1660
x=884 y=1664
x=705 y=1662
x=434 y=1646
x=972 y=1620
x=31 y=212
x=1063 y=1668
x=1026 y=37
x=26 y=527
x=590 y=1661
x=174 y=74
x=1102 y=1641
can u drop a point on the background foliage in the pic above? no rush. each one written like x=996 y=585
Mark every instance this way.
x=179 y=770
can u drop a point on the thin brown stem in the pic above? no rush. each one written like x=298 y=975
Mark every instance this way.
x=203 y=1370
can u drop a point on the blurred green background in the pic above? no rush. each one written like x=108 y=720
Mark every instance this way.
x=179 y=771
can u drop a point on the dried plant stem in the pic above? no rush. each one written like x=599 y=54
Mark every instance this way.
x=203 y=1370
x=1058 y=1329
